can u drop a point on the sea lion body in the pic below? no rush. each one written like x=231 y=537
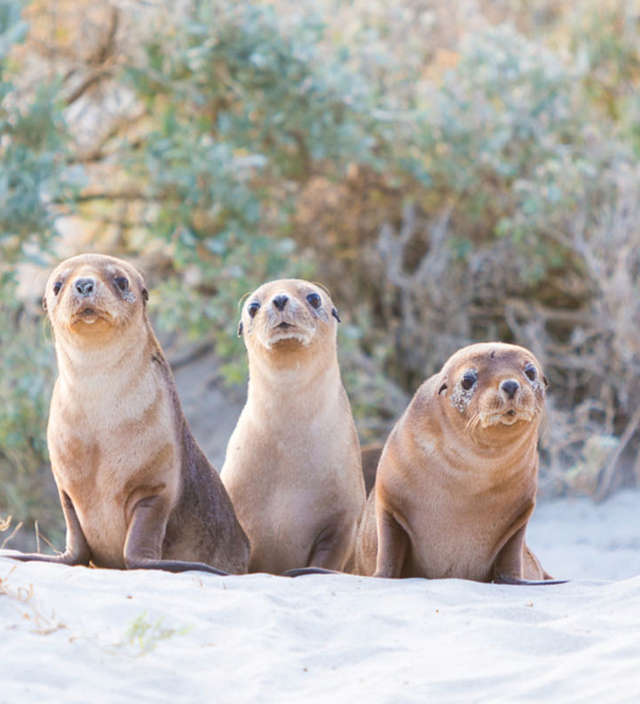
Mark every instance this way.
x=135 y=488
x=292 y=466
x=456 y=483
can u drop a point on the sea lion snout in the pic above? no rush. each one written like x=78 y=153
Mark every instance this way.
x=280 y=301
x=510 y=386
x=85 y=286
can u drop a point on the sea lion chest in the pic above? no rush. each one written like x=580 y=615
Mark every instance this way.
x=458 y=521
x=110 y=448
x=290 y=478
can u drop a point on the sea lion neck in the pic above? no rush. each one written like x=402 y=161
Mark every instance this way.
x=284 y=370
x=291 y=386
x=83 y=367
x=489 y=455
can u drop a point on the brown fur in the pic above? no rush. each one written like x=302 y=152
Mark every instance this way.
x=370 y=455
x=292 y=466
x=456 y=483
x=135 y=488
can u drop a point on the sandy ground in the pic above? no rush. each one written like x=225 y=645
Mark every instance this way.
x=86 y=635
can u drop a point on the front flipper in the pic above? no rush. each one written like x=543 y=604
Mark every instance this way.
x=143 y=546
x=393 y=543
x=77 y=550
x=506 y=579
x=514 y=559
x=304 y=571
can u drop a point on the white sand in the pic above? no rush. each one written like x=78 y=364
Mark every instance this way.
x=69 y=634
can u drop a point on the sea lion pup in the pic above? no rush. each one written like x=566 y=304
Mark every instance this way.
x=456 y=483
x=292 y=466
x=135 y=488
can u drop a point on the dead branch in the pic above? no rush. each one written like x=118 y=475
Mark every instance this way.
x=606 y=478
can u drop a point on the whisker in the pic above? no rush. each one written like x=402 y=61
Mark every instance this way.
x=472 y=426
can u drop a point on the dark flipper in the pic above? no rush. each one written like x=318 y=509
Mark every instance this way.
x=173 y=566
x=303 y=571
x=64 y=558
x=139 y=564
x=143 y=546
x=506 y=579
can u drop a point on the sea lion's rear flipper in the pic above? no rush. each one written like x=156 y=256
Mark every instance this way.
x=143 y=546
x=77 y=549
x=61 y=559
x=303 y=571
x=506 y=579
x=176 y=566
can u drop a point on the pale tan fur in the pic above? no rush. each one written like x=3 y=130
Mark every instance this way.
x=292 y=466
x=135 y=488
x=456 y=482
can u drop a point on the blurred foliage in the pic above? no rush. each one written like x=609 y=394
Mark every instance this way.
x=32 y=155
x=242 y=114
x=452 y=173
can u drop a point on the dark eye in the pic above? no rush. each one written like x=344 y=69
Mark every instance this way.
x=531 y=372
x=253 y=308
x=469 y=379
x=121 y=283
x=314 y=300
x=56 y=287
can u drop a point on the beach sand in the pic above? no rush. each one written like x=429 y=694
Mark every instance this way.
x=72 y=634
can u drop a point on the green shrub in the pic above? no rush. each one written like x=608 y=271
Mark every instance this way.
x=32 y=174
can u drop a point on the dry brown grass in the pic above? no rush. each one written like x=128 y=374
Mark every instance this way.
x=41 y=623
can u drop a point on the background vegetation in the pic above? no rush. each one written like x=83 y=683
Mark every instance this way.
x=453 y=172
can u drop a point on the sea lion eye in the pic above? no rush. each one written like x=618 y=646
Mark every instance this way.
x=121 y=283
x=531 y=372
x=469 y=379
x=253 y=308
x=314 y=300
x=56 y=287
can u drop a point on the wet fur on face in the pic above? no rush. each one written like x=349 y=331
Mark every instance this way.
x=485 y=404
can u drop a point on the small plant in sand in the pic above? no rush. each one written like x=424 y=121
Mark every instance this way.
x=43 y=624
x=144 y=635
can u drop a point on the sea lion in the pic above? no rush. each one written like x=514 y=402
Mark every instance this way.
x=135 y=488
x=456 y=483
x=292 y=466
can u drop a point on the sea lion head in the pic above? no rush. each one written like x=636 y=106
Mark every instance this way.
x=288 y=316
x=94 y=297
x=492 y=387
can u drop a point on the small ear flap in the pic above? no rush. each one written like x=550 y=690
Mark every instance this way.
x=145 y=295
x=44 y=303
x=240 y=329
x=444 y=387
x=546 y=383
x=334 y=313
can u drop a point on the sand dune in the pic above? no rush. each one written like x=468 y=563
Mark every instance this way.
x=83 y=635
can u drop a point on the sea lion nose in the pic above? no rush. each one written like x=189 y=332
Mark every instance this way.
x=280 y=301
x=510 y=386
x=85 y=287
